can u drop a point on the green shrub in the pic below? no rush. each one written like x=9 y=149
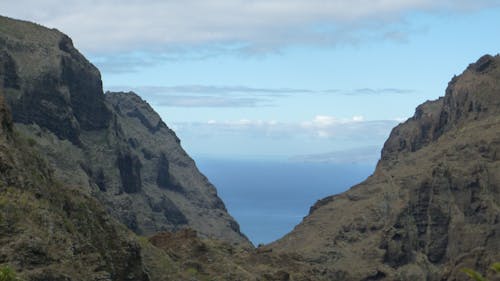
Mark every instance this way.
x=7 y=274
x=477 y=276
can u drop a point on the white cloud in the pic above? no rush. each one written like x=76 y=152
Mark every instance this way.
x=321 y=126
x=210 y=96
x=358 y=118
x=243 y=124
x=255 y=26
x=230 y=96
x=355 y=127
x=212 y=89
x=209 y=101
x=322 y=121
x=325 y=126
x=270 y=138
x=385 y=91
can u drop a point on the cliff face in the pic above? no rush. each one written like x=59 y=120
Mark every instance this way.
x=114 y=147
x=49 y=82
x=53 y=232
x=432 y=205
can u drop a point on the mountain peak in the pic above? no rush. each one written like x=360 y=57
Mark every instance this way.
x=48 y=82
x=113 y=146
x=473 y=95
x=485 y=64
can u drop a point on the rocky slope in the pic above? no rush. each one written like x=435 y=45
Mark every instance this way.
x=53 y=232
x=431 y=207
x=113 y=147
x=205 y=259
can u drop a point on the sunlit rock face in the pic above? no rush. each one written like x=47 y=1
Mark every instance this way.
x=432 y=205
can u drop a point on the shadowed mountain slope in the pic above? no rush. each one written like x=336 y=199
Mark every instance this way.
x=114 y=146
x=53 y=232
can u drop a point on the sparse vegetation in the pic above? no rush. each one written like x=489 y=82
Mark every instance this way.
x=7 y=274
x=474 y=275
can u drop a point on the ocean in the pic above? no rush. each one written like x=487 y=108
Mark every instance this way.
x=268 y=198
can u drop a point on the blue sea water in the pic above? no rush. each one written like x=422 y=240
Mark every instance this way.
x=268 y=198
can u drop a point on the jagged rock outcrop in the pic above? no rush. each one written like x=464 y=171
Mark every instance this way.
x=432 y=206
x=53 y=232
x=112 y=146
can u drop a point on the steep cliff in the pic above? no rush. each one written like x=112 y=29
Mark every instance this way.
x=49 y=231
x=432 y=205
x=112 y=146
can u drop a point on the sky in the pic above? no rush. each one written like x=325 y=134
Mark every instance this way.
x=300 y=80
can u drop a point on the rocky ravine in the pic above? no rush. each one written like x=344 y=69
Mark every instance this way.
x=432 y=206
x=70 y=152
x=113 y=146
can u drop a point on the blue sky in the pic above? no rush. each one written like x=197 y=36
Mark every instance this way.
x=297 y=79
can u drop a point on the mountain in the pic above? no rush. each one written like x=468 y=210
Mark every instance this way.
x=432 y=206
x=111 y=146
x=56 y=232
x=95 y=186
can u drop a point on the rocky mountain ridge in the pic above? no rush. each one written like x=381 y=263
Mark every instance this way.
x=432 y=205
x=114 y=146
